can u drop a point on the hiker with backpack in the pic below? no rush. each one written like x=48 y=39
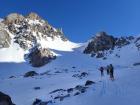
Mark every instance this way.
x=101 y=69
x=107 y=69
x=111 y=71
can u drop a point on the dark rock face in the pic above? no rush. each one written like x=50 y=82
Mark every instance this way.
x=40 y=102
x=39 y=57
x=101 y=42
x=77 y=93
x=61 y=98
x=100 y=55
x=36 y=102
x=5 y=99
x=80 y=88
x=81 y=75
x=70 y=90
x=62 y=94
x=37 y=88
x=136 y=64
x=57 y=90
x=123 y=41
x=137 y=43
x=88 y=82
x=30 y=74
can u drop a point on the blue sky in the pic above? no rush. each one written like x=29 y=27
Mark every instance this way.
x=80 y=19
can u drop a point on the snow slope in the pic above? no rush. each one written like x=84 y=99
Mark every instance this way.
x=12 y=54
x=13 y=57
x=123 y=91
x=58 y=44
x=59 y=75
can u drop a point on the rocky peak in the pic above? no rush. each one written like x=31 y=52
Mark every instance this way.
x=29 y=30
x=101 y=34
x=100 y=42
x=104 y=42
x=33 y=16
x=13 y=18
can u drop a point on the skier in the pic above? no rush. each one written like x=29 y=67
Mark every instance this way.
x=102 y=71
x=111 y=71
x=107 y=69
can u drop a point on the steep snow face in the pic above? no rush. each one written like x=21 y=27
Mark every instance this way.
x=12 y=54
x=58 y=44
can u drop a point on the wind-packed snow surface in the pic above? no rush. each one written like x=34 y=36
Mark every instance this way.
x=124 y=90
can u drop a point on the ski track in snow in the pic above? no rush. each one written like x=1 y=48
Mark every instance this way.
x=107 y=85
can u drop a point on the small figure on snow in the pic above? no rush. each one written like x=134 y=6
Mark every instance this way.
x=111 y=71
x=101 y=69
x=107 y=69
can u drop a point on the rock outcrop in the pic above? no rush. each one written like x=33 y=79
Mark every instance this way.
x=39 y=56
x=103 y=42
x=89 y=82
x=30 y=74
x=100 y=42
x=5 y=99
x=122 y=41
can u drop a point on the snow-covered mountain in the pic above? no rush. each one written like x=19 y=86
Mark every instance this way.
x=114 y=49
x=20 y=34
x=40 y=66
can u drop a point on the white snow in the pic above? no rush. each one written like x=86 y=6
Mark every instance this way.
x=34 y=22
x=13 y=53
x=58 y=44
x=125 y=90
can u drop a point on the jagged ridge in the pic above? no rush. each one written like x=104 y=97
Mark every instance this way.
x=29 y=32
x=103 y=42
